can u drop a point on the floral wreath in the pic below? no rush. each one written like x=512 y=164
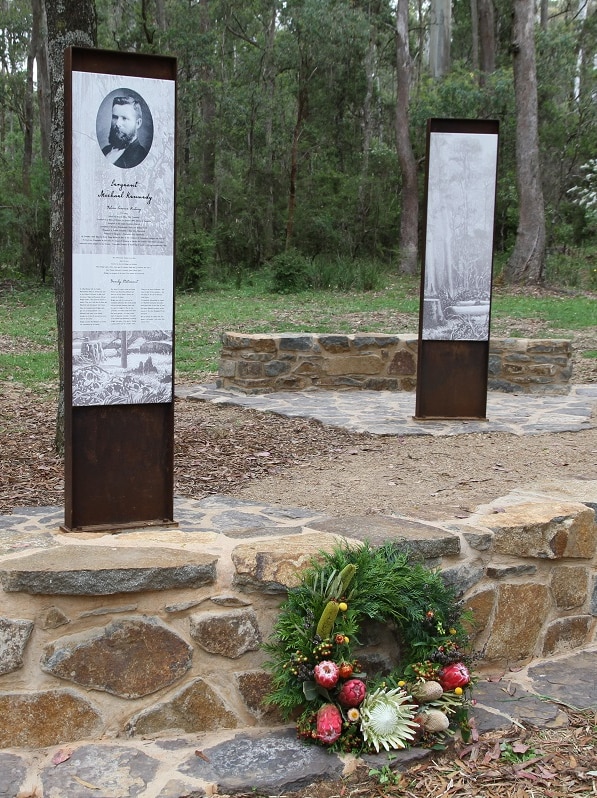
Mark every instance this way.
x=317 y=679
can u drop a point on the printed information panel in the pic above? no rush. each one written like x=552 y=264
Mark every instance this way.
x=123 y=130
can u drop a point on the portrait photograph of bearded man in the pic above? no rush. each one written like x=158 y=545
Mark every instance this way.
x=124 y=128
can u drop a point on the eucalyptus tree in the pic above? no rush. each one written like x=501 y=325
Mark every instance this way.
x=70 y=23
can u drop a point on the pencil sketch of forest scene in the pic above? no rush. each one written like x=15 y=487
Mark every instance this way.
x=459 y=236
x=116 y=367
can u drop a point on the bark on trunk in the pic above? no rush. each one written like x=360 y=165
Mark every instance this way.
x=70 y=23
x=527 y=261
x=409 y=228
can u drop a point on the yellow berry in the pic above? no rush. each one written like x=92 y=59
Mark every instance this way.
x=401 y=683
x=346 y=639
x=458 y=690
x=452 y=631
x=343 y=606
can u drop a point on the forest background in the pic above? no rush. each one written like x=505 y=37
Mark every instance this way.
x=300 y=122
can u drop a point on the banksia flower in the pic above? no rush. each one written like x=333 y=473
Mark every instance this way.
x=387 y=720
x=352 y=693
x=434 y=721
x=326 y=673
x=456 y=675
x=427 y=691
x=329 y=724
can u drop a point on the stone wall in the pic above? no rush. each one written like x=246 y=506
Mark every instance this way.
x=156 y=630
x=260 y=363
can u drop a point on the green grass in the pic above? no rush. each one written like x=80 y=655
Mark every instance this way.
x=27 y=317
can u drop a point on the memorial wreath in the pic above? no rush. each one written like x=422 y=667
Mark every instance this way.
x=313 y=653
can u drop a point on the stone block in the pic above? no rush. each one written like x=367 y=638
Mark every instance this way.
x=227 y=368
x=354 y=364
x=194 y=708
x=381 y=384
x=363 y=341
x=508 y=571
x=403 y=363
x=566 y=633
x=546 y=530
x=229 y=634
x=593 y=606
x=569 y=586
x=129 y=658
x=334 y=343
x=463 y=577
x=276 y=367
x=105 y=771
x=422 y=541
x=481 y=605
x=14 y=635
x=274 y=566
x=249 y=368
x=38 y=720
x=82 y=570
x=254 y=687
x=298 y=343
x=521 y=611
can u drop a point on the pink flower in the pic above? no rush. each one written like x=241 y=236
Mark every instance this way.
x=352 y=693
x=326 y=673
x=329 y=723
x=456 y=675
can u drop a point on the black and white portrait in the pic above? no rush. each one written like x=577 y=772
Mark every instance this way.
x=124 y=128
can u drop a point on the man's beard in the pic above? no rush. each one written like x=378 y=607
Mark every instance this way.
x=119 y=140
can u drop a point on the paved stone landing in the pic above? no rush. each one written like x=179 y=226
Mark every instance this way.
x=269 y=761
x=391 y=412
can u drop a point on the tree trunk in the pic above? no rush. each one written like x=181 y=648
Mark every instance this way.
x=269 y=77
x=40 y=37
x=475 y=34
x=208 y=115
x=70 y=23
x=440 y=35
x=409 y=228
x=526 y=264
x=487 y=45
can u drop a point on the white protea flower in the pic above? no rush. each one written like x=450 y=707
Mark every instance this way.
x=387 y=719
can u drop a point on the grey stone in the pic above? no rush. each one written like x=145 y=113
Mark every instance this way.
x=514 y=702
x=477 y=539
x=506 y=571
x=80 y=570
x=262 y=532
x=109 y=610
x=194 y=708
x=298 y=343
x=398 y=760
x=129 y=658
x=570 y=680
x=229 y=634
x=274 y=763
x=422 y=541
x=14 y=635
x=13 y=540
x=13 y=770
x=462 y=577
x=178 y=789
x=593 y=606
x=52 y=618
x=114 y=771
x=230 y=601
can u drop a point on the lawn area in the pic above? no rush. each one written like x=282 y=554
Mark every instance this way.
x=28 y=325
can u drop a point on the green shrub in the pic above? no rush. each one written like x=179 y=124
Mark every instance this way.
x=290 y=272
x=195 y=260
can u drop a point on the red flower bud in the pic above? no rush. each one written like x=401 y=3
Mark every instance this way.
x=352 y=693
x=329 y=723
x=326 y=673
x=452 y=676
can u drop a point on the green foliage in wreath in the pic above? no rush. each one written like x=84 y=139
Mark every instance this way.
x=312 y=652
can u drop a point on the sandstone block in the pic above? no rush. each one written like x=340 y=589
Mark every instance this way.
x=229 y=634
x=14 y=635
x=570 y=586
x=403 y=363
x=194 y=708
x=274 y=566
x=546 y=530
x=566 y=633
x=52 y=618
x=354 y=364
x=129 y=658
x=481 y=606
x=519 y=616
x=38 y=720
x=254 y=687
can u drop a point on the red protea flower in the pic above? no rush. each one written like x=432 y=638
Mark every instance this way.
x=329 y=723
x=352 y=693
x=326 y=673
x=456 y=675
